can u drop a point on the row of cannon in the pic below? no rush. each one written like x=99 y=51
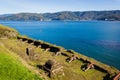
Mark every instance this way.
x=41 y=44
x=57 y=50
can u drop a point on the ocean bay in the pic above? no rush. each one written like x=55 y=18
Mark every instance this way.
x=97 y=39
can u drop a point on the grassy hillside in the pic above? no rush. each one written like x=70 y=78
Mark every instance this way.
x=11 y=68
x=72 y=70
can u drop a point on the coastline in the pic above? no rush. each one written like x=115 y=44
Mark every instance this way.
x=111 y=71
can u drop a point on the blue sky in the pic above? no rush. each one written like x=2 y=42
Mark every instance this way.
x=42 y=6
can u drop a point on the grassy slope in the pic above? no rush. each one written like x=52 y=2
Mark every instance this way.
x=72 y=70
x=11 y=67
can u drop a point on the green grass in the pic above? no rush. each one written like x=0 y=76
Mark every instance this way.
x=13 y=69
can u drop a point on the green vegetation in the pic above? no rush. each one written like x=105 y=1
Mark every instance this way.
x=11 y=67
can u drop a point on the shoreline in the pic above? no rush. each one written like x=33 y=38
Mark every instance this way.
x=48 y=49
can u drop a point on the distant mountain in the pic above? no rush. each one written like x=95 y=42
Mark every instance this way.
x=5 y=15
x=65 y=15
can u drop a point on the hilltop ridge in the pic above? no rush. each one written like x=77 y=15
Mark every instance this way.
x=113 y=15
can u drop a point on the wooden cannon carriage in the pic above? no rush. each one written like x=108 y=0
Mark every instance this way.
x=117 y=77
x=53 y=68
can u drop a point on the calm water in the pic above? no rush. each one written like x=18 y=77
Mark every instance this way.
x=96 y=39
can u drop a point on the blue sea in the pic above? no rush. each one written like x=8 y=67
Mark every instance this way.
x=97 y=39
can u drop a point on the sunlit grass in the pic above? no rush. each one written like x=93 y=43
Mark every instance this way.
x=12 y=69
